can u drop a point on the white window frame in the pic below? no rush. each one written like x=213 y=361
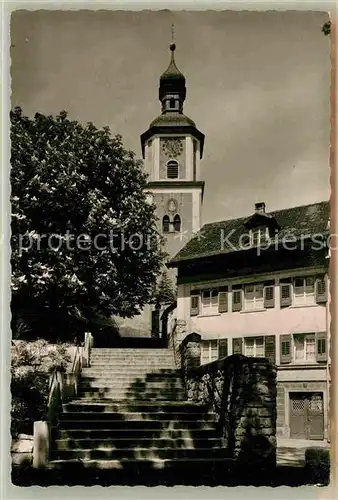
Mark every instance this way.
x=305 y=294
x=307 y=339
x=212 y=353
x=254 y=303
x=211 y=307
x=258 y=349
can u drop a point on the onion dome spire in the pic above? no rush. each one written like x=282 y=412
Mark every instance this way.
x=172 y=90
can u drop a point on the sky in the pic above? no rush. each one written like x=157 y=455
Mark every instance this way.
x=258 y=87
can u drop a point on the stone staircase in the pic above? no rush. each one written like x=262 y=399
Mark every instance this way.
x=131 y=418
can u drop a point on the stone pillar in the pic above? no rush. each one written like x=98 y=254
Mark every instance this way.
x=191 y=351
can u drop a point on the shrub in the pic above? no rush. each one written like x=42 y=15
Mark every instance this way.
x=32 y=362
x=317 y=462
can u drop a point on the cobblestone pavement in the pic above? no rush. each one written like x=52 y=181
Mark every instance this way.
x=292 y=451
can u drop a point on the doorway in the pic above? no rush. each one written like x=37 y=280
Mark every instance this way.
x=306 y=415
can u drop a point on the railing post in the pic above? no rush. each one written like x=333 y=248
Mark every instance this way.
x=41 y=440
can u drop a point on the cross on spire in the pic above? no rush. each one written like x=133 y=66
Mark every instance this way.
x=172 y=33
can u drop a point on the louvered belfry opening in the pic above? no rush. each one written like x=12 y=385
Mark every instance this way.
x=172 y=169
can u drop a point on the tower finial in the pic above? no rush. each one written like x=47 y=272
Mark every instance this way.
x=172 y=45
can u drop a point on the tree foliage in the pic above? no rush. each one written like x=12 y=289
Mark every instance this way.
x=31 y=364
x=79 y=184
x=165 y=293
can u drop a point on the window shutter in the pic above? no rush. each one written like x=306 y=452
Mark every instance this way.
x=223 y=299
x=285 y=348
x=285 y=293
x=237 y=298
x=237 y=346
x=269 y=294
x=222 y=348
x=321 y=349
x=194 y=303
x=270 y=348
x=321 y=290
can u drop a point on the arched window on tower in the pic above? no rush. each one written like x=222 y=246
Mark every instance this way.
x=172 y=169
x=177 y=223
x=166 y=224
x=172 y=103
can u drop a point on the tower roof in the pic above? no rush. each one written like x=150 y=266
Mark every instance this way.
x=172 y=72
x=172 y=80
x=172 y=120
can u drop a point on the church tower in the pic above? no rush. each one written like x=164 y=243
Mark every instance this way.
x=172 y=148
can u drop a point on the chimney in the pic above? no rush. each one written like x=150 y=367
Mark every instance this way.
x=260 y=207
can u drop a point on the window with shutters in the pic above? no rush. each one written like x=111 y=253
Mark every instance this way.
x=304 y=291
x=210 y=301
x=254 y=347
x=253 y=296
x=172 y=169
x=304 y=348
x=209 y=351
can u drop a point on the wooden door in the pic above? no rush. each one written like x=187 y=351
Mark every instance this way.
x=298 y=415
x=306 y=415
x=315 y=410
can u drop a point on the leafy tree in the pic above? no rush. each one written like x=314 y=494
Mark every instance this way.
x=84 y=243
x=165 y=291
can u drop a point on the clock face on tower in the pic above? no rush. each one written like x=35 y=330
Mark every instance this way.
x=172 y=147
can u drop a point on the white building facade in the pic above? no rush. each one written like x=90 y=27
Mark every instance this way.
x=268 y=303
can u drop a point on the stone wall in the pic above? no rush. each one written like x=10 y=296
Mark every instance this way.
x=22 y=450
x=242 y=391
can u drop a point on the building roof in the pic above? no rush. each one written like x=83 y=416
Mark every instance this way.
x=172 y=81
x=172 y=120
x=225 y=236
x=172 y=72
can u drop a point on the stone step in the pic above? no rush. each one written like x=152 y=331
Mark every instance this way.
x=139 y=372
x=131 y=350
x=180 y=416
x=139 y=465
x=117 y=394
x=172 y=384
x=133 y=363
x=167 y=367
x=184 y=433
x=133 y=424
x=130 y=353
x=127 y=443
x=141 y=453
x=131 y=369
x=82 y=405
